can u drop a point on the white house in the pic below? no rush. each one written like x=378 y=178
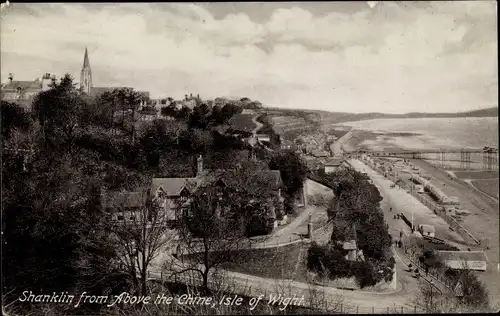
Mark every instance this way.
x=474 y=260
x=263 y=138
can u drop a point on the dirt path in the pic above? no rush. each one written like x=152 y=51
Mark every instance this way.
x=293 y=229
x=259 y=124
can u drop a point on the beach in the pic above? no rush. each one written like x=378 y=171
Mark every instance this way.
x=476 y=189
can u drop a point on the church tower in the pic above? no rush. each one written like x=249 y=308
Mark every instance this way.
x=86 y=74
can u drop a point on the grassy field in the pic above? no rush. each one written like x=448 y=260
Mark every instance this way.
x=287 y=262
x=488 y=186
x=242 y=122
x=479 y=175
x=277 y=263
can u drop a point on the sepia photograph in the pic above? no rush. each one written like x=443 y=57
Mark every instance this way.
x=249 y=158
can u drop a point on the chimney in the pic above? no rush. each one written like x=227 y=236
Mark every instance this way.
x=199 y=165
x=11 y=77
x=190 y=95
x=185 y=97
x=198 y=96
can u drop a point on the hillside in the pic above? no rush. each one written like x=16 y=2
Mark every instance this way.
x=293 y=121
x=340 y=117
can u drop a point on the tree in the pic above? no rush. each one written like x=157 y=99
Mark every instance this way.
x=199 y=116
x=472 y=299
x=170 y=110
x=128 y=100
x=139 y=239
x=355 y=214
x=292 y=168
x=59 y=112
x=14 y=118
x=207 y=239
x=474 y=293
x=218 y=217
x=155 y=142
x=183 y=113
x=53 y=237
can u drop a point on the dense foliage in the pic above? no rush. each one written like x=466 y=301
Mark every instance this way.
x=56 y=234
x=356 y=215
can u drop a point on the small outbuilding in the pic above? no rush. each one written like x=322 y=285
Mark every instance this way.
x=474 y=260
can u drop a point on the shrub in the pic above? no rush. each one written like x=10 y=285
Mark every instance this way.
x=327 y=260
x=365 y=274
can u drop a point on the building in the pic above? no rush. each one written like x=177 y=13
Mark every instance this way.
x=23 y=92
x=474 y=260
x=333 y=165
x=427 y=230
x=248 y=111
x=320 y=154
x=173 y=194
x=124 y=206
x=263 y=138
x=312 y=163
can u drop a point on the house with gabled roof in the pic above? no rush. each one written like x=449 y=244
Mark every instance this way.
x=173 y=194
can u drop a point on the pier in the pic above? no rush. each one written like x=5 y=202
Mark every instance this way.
x=488 y=158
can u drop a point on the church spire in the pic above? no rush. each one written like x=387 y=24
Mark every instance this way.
x=86 y=62
x=86 y=74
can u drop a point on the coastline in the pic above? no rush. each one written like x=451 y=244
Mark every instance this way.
x=483 y=221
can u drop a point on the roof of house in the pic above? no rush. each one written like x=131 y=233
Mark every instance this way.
x=174 y=186
x=349 y=245
x=320 y=153
x=262 y=135
x=25 y=85
x=124 y=199
x=334 y=162
x=448 y=255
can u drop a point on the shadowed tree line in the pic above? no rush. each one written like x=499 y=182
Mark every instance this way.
x=355 y=215
x=57 y=234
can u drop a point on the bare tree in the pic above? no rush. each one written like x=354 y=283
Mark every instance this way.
x=468 y=294
x=140 y=234
x=206 y=237
x=220 y=215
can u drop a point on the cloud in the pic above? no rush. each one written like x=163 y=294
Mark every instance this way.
x=396 y=57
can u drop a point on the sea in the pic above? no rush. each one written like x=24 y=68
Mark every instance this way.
x=443 y=133
x=432 y=134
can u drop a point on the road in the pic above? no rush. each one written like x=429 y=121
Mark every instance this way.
x=292 y=230
x=257 y=123
x=364 y=300
x=337 y=146
x=402 y=202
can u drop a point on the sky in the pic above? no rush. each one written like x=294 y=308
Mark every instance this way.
x=396 y=57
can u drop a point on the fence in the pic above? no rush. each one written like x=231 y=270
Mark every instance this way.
x=436 y=275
